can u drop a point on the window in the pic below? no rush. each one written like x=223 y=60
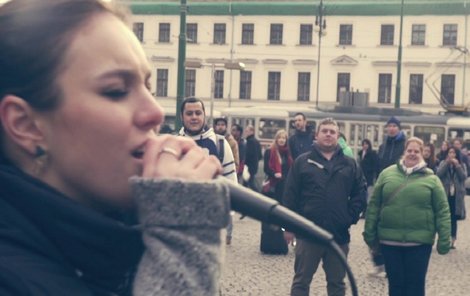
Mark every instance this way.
x=268 y=127
x=219 y=84
x=418 y=34
x=448 y=88
x=385 y=88
x=386 y=34
x=248 y=33
x=430 y=134
x=450 y=35
x=245 y=85
x=342 y=84
x=306 y=34
x=276 y=34
x=191 y=33
x=219 y=33
x=416 y=89
x=190 y=85
x=164 y=32
x=274 y=85
x=345 y=34
x=162 y=82
x=138 y=29
x=303 y=86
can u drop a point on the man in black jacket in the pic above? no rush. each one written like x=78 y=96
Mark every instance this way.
x=302 y=140
x=329 y=189
x=393 y=146
x=252 y=156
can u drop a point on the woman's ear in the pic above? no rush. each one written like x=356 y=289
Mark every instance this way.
x=20 y=123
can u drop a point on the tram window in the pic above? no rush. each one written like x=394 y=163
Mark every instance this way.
x=310 y=124
x=459 y=133
x=243 y=121
x=268 y=127
x=430 y=134
x=372 y=134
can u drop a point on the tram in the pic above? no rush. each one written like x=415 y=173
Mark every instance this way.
x=355 y=123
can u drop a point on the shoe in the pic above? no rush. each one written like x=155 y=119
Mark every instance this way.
x=378 y=272
x=228 y=240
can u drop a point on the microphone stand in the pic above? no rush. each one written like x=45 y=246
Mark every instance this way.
x=268 y=210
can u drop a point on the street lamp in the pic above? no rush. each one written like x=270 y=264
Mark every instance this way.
x=229 y=65
x=320 y=24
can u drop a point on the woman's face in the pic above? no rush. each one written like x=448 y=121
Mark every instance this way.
x=444 y=146
x=426 y=152
x=96 y=137
x=452 y=154
x=365 y=146
x=281 y=140
x=413 y=154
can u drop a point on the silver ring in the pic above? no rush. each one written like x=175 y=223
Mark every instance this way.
x=170 y=151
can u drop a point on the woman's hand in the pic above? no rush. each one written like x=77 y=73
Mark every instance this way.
x=170 y=156
x=278 y=175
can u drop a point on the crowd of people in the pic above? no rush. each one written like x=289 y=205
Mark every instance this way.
x=97 y=203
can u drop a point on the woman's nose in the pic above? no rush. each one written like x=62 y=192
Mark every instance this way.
x=150 y=114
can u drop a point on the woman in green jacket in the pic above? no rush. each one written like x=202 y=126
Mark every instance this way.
x=408 y=207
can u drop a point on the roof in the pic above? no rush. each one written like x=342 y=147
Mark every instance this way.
x=298 y=8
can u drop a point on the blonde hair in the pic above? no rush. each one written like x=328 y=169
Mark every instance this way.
x=279 y=133
x=417 y=141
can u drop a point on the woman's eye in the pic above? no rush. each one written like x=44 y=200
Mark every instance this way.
x=115 y=94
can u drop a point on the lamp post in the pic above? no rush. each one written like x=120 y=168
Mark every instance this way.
x=320 y=22
x=231 y=65
x=398 y=86
x=181 y=62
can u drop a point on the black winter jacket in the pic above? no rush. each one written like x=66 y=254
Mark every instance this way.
x=300 y=142
x=253 y=154
x=331 y=193
x=369 y=165
x=391 y=150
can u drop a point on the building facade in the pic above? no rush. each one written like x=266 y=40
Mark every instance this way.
x=278 y=41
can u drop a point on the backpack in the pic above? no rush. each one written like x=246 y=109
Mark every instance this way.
x=220 y=148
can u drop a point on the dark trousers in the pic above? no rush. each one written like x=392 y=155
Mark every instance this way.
x=307 y=258
x=406 y=269
x=453 y=217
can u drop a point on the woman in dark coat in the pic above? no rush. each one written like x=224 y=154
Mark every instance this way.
x=429 y=156
x=277 y=161
x=368 y=161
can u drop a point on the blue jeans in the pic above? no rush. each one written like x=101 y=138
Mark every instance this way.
x=406 y=269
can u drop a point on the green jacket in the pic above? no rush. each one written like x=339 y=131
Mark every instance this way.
x=417 y=211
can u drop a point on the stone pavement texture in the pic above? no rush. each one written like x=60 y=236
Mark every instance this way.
x=248 y=272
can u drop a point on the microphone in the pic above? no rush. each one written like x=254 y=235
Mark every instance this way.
x=265 y=209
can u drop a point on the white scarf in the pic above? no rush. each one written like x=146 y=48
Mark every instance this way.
x=417 y=167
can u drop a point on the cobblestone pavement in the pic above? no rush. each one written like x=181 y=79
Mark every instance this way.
x=248 y=272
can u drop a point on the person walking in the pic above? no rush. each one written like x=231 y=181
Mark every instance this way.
x=328 y=188
x=79 y=151
x=277 y=161
x=429 y=156
x=252 y=156
x=453 y=173
x=389 y=153
x=369 y=161
x=301 y=141
x=237 y=134
x=407 y=209
x=193 y=117
x=220 y=128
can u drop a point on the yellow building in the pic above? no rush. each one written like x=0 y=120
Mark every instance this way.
x=278 y=41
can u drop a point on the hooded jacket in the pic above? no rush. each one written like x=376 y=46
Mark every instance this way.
x=408 y=209
x=52 y=245
x=207 y=140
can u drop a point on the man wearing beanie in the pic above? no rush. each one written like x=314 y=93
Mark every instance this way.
x=393 y=146
x=389 y=153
